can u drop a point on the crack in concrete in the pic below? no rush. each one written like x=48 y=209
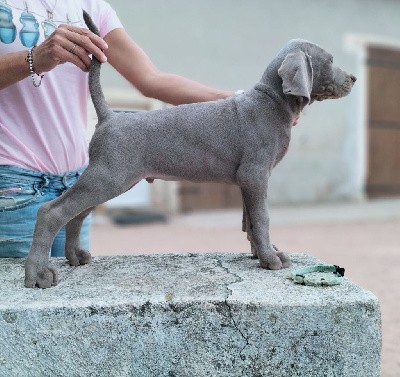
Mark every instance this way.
x=226 y=269
x=228 y=294
x=237 y=328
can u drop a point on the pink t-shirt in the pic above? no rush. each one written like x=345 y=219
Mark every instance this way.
x=44 y=129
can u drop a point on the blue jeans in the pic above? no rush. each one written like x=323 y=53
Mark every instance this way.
x=22 y=192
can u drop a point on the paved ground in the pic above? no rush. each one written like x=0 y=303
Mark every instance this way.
x=362 y=237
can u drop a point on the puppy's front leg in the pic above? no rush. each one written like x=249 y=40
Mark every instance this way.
x=246 y=228
x=257 y=226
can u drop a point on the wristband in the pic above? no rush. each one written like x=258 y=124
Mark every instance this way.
x=32 y=71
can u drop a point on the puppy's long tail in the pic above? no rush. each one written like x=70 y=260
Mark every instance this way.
x=100 y=104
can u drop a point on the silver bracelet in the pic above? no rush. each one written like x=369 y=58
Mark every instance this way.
x=29 y=59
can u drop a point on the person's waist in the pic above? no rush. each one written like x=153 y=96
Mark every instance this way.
x=31 y=176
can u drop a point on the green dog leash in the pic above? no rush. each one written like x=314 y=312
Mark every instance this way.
x=301 y=275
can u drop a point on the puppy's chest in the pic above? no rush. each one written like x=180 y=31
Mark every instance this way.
x=282 y=145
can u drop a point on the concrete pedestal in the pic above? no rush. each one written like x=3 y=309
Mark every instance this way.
x=185 y=315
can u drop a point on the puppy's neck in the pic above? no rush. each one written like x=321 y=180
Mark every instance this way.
x=271 y=79
x=293 y=103
x=297 y=103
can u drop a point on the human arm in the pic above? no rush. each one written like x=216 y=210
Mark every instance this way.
x=133 y=64
x=67 y=44
x=13 y=68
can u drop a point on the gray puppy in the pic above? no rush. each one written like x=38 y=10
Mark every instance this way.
x=238 y=140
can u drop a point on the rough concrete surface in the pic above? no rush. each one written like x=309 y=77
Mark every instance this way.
x=361 y=236
x=185 y=315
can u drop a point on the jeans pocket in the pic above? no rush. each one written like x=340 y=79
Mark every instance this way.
x=14 y=195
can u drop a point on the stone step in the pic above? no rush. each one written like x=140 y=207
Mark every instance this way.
x=185 y=315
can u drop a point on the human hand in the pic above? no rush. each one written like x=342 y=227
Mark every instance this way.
x=68 y=44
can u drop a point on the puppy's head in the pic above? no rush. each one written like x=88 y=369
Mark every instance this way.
x=307 y=71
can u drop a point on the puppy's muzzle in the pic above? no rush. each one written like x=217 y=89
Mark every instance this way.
x=340 y=87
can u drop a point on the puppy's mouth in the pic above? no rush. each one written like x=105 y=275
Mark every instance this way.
x=334 y=91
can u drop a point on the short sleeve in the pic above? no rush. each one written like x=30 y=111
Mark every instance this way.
x=103 y=15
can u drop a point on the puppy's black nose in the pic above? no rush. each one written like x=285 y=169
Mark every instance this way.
x=353 y=78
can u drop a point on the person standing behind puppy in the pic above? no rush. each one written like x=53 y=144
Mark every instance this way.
x=45 y=53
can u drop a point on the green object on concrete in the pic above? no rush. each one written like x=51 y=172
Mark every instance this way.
x=302 y=275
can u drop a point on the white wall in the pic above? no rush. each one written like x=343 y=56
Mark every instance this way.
x=228 y=43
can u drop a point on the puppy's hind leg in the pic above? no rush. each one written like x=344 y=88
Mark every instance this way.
x=95 y=186
x=73 y=252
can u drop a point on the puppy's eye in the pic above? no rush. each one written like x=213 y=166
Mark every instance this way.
x=331 y=59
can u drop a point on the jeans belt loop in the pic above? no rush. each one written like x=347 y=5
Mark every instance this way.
x=46 y=181
x=39 y=185
x=64 y=182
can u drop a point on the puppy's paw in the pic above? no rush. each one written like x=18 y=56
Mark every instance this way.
x=78 y=257
x=286 y=262
x=43 y=278
x=271 y=262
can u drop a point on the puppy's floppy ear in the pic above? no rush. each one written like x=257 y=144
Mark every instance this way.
x=297 y=74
